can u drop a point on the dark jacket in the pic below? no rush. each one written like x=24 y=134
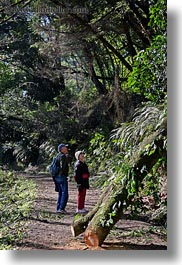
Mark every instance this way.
x=62 y=161
x=82 y=174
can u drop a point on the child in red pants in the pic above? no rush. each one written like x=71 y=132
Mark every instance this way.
x=82 y=179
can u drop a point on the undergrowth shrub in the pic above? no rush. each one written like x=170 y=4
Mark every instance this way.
x=16 y=199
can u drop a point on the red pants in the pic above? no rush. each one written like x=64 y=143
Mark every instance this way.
x=81 y=198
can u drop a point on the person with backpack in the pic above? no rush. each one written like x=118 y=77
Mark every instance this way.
x=61 y=165
x=82 y=174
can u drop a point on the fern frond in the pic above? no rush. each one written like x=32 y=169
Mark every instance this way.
x=144 y=121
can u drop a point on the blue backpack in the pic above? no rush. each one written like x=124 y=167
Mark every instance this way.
x=54 y=168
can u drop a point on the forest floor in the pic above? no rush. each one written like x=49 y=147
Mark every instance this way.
x=47 y=230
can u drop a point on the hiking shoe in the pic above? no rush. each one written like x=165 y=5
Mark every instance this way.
x=62 y=211
x=81 y=210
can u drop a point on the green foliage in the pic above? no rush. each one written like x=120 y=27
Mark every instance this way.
x=149 y=72
x=6 y=78
x=16 y=200
x=58 y=83
x=158 y=17
x=145 y=120
x=109 y=220
x=98 y=152
x=117 y=154
x=59 y=77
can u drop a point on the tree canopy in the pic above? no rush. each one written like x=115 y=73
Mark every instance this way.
x=69 y=70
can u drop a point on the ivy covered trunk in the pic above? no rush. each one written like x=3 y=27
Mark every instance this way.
x=107 y=212
x=106 y=217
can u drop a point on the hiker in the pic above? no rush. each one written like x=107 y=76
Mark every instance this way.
x=82 y=179
x=61 y=180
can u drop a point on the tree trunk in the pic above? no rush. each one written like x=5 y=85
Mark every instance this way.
x=110 y=207
x=105 y=218
x=81 y=224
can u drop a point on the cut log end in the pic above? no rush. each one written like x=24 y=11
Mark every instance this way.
x=73 y=231
x=91 y=238
x=78 y=228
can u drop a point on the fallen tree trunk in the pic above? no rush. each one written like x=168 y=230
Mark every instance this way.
x=105 y=218
x=109 y=209
x=81 y=224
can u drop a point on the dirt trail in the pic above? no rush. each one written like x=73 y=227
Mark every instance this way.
x=47 y=229
x=50 y=231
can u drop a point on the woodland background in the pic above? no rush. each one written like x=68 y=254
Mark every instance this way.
x=92 y=74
